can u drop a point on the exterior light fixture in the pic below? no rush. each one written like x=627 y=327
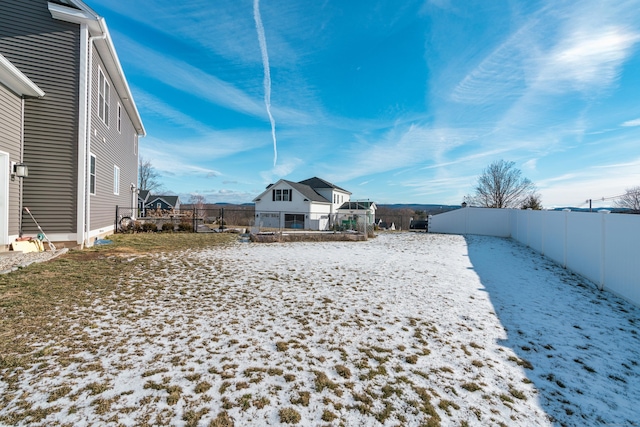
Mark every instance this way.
x=19 y=170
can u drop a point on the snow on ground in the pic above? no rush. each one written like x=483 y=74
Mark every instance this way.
x=404 y=329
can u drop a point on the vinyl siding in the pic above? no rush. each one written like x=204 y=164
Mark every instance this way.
x=10 y=129
x=111 y=148
x=47 y=51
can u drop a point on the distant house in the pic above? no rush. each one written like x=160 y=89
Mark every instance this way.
x=81 y=138
x=143 y=198
x=162 y=203
x=351 y=211
x=15 y=87
x=311 y=204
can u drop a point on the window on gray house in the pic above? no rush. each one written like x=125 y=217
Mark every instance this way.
x=119 y=118
x=116 y=180
x=92 y=175
x=103 y=97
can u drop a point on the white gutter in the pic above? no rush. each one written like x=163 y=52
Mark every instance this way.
x=87 y=175
x=15 y=80
x=98 y=26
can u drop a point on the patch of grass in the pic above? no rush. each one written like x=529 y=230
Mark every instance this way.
x=202 y=387
x=446 y=404
x=222 y=420
x=282 y=345
x=380 y=370
x=289 y=416
x=274 y=371
x=517 y=394
x=193 y=377
x=59 y=393
x=343 y=371
x=506 y=398
x=153 y=372
x=521 y=362
x=96 y=388
x=322 y=381
x=328 y=416
x=245 y=401
x=302 y=399
x=192 y=418
x=261 y=402
x=471 y=386
x=412 y=359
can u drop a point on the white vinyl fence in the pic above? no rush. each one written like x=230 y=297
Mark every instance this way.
x=602 y=247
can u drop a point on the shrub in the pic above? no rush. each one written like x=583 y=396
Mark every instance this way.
x=167 y=226
x=185 y=226
x=149 y=226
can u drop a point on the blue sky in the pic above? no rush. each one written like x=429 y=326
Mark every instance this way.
x=398 y=102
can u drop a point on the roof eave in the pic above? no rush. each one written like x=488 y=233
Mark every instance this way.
x=15 y=80
x=98 y=27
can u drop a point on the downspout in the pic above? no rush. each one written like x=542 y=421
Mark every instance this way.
x=20 y=187
x=87 y=143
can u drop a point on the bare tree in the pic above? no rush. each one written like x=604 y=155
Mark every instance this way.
x=148 y=177
x=198 y=202
x=630 y=199
x=501 y=185
x=533 y=201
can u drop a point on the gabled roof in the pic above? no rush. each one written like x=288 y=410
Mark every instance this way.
x=307 y=192
x=144 y=195
x=17 y=82
x=78 y=12
x=316 y=182
x=170 y=200
x=364 y=205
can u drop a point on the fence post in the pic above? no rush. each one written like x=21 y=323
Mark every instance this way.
x=194 y=219
x=603 y=212
x=566 y=222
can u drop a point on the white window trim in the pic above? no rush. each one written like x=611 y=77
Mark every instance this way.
x=104 y=97
x=135 y=144
x=93 y=174
x=116 y=180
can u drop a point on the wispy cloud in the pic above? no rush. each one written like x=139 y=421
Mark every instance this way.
x=631 y=123
x=281 y=170
x=267 y=74
x=587 y=59
x=196 y=82
x=152 y=104
x=590 y=183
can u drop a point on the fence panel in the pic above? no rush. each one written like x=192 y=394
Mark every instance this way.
x=452 y=222
x=584 y=244
x=601 y=247
x=621 y=259
x=553 y=236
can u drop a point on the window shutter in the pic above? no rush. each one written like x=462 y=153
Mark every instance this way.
x=290 y=193
x=273 y=195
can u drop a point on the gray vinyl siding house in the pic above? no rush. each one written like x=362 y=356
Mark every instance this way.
x=14 y=88
x=80 y=140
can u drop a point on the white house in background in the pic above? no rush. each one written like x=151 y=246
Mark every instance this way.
x=311 y=204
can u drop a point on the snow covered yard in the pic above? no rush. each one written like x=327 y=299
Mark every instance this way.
x=405 y=329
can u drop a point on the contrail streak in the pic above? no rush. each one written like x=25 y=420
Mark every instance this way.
x=267 y=74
